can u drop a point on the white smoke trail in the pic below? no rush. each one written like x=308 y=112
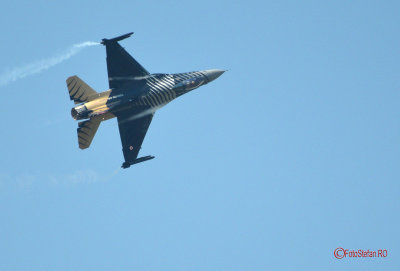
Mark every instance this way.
x=17 y=73
x=112 y=175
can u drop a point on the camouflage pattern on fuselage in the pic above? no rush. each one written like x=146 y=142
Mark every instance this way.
x=152 y=91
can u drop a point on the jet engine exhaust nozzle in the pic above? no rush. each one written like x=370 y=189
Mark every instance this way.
x=79 y=112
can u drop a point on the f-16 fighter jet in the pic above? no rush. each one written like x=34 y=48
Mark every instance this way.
x=133 y=97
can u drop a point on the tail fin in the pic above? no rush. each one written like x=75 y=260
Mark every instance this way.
x=79 y=91
x=86 y=131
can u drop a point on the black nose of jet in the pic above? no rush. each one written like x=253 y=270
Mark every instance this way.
x=211 y=75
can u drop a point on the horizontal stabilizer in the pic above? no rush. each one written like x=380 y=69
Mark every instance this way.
x=86 y=131
x=78 y=90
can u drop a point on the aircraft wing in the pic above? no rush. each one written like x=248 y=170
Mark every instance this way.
x=121 y=66
x=133 y=127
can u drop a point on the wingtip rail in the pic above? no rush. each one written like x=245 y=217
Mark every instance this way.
x=137 y=161
x=122 y=37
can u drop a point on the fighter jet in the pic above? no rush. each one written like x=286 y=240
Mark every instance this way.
x=133 y=97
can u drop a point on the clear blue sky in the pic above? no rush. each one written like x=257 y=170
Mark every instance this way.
x=292 y=153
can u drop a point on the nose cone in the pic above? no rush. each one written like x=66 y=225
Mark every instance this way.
x=212 y=74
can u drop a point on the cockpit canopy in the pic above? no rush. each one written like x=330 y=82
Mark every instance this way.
x=193 y=83
x=189 y=84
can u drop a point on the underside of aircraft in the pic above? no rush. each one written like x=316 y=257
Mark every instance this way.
x=133 y=97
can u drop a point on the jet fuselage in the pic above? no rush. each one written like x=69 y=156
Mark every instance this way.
x=152 y=91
